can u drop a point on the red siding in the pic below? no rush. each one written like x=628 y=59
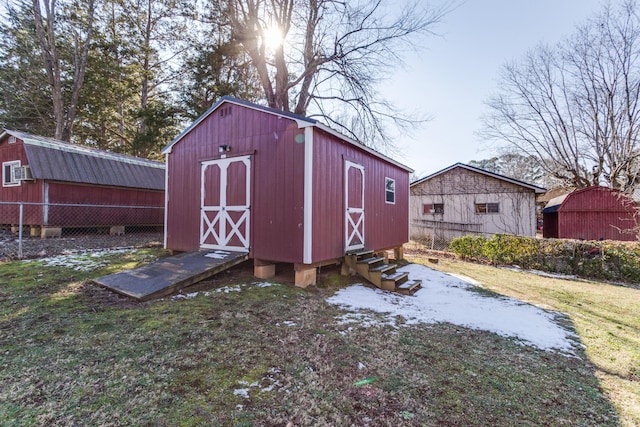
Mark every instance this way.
x=27 y=191
x=277 y=184
x=68 y=193
x=597 y=213
x=386 y=225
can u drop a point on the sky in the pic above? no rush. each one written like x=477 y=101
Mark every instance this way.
x=458 y=69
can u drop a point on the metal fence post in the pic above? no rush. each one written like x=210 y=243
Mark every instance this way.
x=20 y=221
x=433 y=237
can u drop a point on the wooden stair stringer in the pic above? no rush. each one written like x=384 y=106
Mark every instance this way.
x=383 y=275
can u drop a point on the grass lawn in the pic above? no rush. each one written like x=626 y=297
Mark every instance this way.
x=605 y=316
x=243 y=354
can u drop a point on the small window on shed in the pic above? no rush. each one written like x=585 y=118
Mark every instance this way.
x=390 y=190
x=435 y=208
x=486 y=208
x=8 y=175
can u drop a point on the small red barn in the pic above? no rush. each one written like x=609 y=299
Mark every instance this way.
x=593 y=213
x=64 y=185
x=282 y=187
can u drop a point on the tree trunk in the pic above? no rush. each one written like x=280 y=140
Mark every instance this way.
x=46 y=40
x=64 y=117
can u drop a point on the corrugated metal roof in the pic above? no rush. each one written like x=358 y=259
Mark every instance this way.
x=535 y=188
x=60 y=161
x=300 y=120
x=554 y=204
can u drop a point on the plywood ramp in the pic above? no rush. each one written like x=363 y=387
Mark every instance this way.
x=168 y=275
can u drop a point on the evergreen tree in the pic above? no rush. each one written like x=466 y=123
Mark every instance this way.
x=25 y=102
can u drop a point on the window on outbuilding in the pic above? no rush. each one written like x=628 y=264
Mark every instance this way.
x=434 y=208
x=390 y=190
x=8 y=175
x=486 y=208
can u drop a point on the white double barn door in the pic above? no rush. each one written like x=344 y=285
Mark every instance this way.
x=225 y=209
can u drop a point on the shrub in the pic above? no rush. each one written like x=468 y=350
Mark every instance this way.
x=468 y=247
x=610 y=260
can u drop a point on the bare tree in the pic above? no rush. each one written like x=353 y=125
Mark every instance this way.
x=574 y=106
x=333 y=55
x=513 y=165
x=77 y=31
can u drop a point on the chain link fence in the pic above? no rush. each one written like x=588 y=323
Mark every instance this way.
x=437 y=235
x=29 y=230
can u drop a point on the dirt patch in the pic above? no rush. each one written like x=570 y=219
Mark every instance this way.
x=35 y=247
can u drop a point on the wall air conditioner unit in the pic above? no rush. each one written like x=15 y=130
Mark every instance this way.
x=22 y=173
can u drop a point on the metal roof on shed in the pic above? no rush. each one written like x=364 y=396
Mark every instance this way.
x=553 y=204
x=51 y=159
x=535 y=188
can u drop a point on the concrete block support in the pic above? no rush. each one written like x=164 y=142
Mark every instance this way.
x=34 y=231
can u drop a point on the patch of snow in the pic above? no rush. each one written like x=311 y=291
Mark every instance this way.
x=185 y=296
x=446 y=298
x=227 y=289
x=264 y=284
x=80 y=260
x=242 y=392
x=270 y=387
x=215 y=256
x=544 y=273
x=466 y=279
x=364 y=320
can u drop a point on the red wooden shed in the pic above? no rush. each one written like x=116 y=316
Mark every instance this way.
x=62 y=185
x=593 y=213
x=281 y=187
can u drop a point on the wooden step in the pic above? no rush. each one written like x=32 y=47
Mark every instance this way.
x=363 y=253
x=376 y=270
x=384 y=268
x=395 y=277
x=371 y=261
x=390 y=282
x=409 y=287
